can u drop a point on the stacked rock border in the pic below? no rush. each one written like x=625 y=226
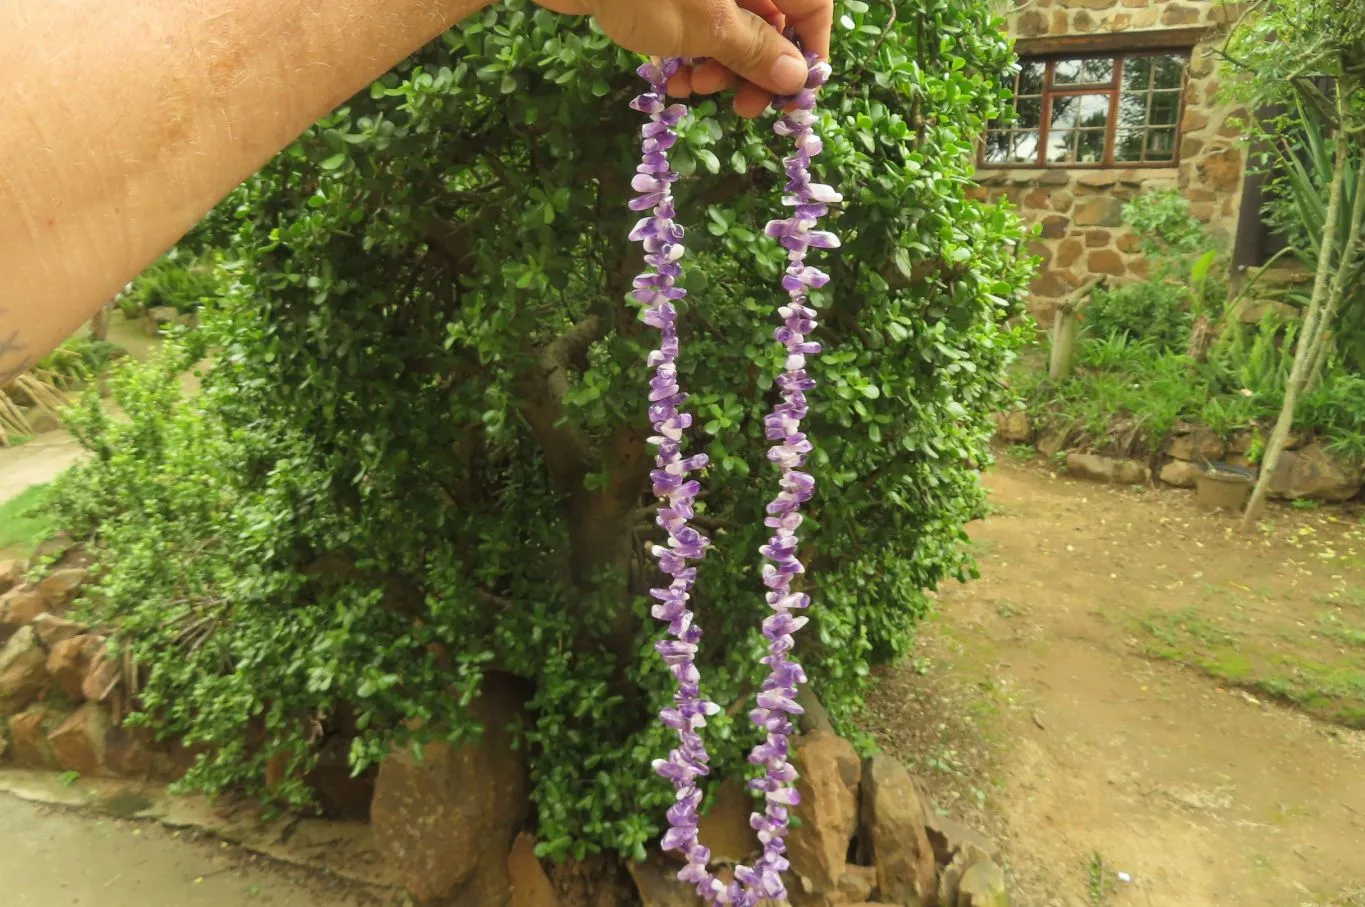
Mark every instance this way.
x=1307 y=469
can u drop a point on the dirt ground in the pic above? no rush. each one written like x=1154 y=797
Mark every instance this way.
x=1124 y=699
x=53 y=858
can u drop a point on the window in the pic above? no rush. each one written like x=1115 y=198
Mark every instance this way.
x=1093 y=111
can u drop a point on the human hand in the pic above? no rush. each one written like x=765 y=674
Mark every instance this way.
x=742 y=39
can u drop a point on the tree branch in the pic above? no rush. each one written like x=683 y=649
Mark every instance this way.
x=567 y=453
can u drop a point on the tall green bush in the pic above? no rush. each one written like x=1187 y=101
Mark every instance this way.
x=421 y=455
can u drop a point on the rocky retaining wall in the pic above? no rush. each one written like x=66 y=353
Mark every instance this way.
x=1306 y=471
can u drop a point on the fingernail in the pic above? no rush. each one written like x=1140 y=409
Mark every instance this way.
x=789 y=74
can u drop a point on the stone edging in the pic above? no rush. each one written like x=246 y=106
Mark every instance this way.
x=1307 y=470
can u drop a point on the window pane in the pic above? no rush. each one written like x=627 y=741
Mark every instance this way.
x=997 y=147
x=1137 y=73
x=1061 y=146
x=1100 y=69
x=1083 y=72
x=1031 y=78
x=1128 y=144
x=1161 y=144
x=1091 y=147
x=1024 y=148
x=1133 y=109
x=1093 y=110
x=1064 y=108
x=1165 y=108
x=1169 y=69
x=1030 y=113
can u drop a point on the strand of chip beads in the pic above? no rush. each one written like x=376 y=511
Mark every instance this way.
x=657 y=291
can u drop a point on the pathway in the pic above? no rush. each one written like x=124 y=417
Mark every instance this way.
x=1098 y=698
x=53 y=858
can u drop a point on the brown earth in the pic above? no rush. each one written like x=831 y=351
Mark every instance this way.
x=1128 y=689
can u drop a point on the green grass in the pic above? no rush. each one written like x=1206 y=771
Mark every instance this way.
x=1318 y=667
x=24 y=522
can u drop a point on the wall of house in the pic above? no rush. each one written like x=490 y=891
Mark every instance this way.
x=1082 y=234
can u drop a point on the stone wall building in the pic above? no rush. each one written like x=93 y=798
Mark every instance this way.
x=1116 y=97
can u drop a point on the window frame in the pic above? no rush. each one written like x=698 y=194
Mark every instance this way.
x=1114 y=88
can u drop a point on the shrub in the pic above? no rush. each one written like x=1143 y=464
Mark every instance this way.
x=180 y=279
x=421 y=455
x=1151 y=311
x=1182 y=286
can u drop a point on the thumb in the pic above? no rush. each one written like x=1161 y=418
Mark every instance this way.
x=756 y=52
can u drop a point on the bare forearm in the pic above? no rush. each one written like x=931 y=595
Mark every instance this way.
x=175 y=103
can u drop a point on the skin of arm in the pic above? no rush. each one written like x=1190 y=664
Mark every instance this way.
x=124 y=121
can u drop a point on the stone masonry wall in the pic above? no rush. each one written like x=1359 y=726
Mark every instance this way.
x=1078 y=210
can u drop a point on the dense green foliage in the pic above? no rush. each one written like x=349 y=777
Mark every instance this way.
x=1136 y=377
x=420 y=455
x=184 y=279
x=1127 y=395
x=1181 y=255
x=1300 y=65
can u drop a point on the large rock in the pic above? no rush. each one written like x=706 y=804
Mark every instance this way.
x=725 y=830
x=1014 y=427
x=130 y=752
x=446 y=822
x=950 y=837
x=1314 y=473
x=59 y=587
x=950 y=879
x=983 y=885
x=858 y=882
x=1107 y=469
x=530 y=885
x=69 y=660
x=829 y=773
x=28 y=738
x=18 y=608
x=103 y=675
x=1180 y=473
x=1198 y=446
x=22 y=677
x=893 y=833
x=11 y=575
x=598 y=881
x=78 y=742
x=656 y=881
x=51 y=550
x=52 y=629
x=1053 y=443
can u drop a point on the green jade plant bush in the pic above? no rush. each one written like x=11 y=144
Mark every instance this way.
x=419 y=460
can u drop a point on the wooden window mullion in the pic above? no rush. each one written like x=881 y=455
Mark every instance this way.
x=1111 y=128
x=1046 y=124
x=1113 y=88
